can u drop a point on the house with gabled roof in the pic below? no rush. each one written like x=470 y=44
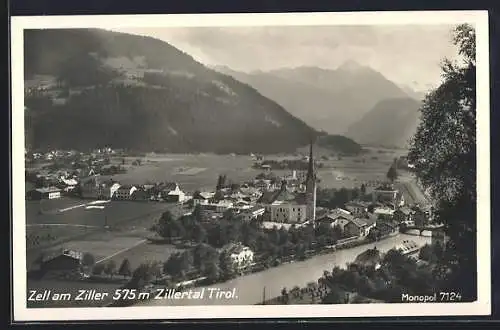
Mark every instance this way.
x=360 y=227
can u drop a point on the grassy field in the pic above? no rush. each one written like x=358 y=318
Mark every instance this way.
x=194 y=172
x=145 y=252
x=83 y=229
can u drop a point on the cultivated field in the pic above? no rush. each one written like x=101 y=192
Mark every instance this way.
x=194 y=172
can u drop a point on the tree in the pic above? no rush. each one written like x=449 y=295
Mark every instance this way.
x=227 y=266
x=164 y=225
x=221 y=182
x=110 y=268
x=88 y=260
x=98 y=269
x=392 y=174
x=124 y=269
x=141 y=275
x=199 y=233
x=212 y=272
x=443 y=151
x=363 y=189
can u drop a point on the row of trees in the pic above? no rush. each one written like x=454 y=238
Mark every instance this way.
x=333 y=198
x=397 y=274
x=443 y=152
x=274 y=243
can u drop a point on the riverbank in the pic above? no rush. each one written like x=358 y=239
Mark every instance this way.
x=249 y=288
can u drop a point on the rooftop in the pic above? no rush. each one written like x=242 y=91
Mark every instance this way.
x=48 y=190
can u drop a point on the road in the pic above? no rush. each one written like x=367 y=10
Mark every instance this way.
x=411 y=191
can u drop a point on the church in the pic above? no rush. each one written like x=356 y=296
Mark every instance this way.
x=285 y=206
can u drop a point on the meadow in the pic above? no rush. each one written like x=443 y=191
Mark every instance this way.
x=200 y=172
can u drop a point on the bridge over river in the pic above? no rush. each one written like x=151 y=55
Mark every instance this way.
x=423 y=231
x=249 y=288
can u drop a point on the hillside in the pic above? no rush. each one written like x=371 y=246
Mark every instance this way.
x=88 y=88
x=390 y=123
x=330 y=100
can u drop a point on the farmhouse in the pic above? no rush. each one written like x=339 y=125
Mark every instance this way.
x=124 y=192
x=253 y=213
x=171 y=192
x=357 y=207
x=337 y=217
x=383 y=212
x=44 y=193
x=107 y=190
x=66 y=261
x=403 y=214
x=387 y=194
x=359 y=227
x=202 y=197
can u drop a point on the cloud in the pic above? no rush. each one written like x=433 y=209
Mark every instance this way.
x=402 y=53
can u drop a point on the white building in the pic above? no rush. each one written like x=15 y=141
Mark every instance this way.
x=253 y=213
x=202 y=197
x=239 y=255
x=171 y=192
x=124 y=192
x=288 y=212
x=218 y=207
x=284 y=206
x=109 y=190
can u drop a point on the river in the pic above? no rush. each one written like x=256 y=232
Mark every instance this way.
x=250 y=288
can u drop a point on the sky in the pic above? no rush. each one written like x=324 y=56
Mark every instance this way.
x=407 y=55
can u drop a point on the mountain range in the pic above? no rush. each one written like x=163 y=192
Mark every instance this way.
x=88 y=88
x=341 y=101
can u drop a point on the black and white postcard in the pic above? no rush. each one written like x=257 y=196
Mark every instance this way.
x=250 y=165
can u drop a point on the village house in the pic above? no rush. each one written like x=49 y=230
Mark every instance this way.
x=359 y=227
x=357 y=207
x=217 y=206
x=239 y=255
x=108 y=189
x=337 y=217
x=68 y=184
x=44 y=193
x=387 y=194
x=202 y=197
x=65 y=262
x=387 y=227
x=383 y=212
x=403 y=214
x=171 y=192
x=252 y=213
x=140 y=194
x=124 y=192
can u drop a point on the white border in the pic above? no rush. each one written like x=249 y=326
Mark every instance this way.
x=481 y=307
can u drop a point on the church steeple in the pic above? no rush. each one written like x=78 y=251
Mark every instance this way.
x=310 y=168
x=311 y=187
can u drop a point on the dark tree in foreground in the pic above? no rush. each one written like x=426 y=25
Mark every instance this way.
x=88 y=260
x=443 y=151
x=125 y=269
x=392 y=174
